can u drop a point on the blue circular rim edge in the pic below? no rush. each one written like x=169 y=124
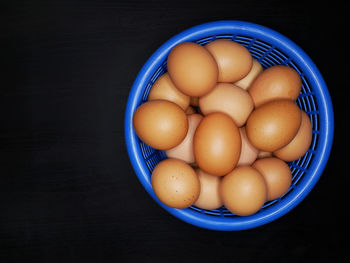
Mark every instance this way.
x=326 y=126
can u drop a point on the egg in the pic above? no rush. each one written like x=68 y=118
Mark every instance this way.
x=164 y=89
x=160 y=123
x=300 y=143
x=230 y=99
x=192 y=69
x=175 y=183
x=217 y=144
x=276 y=82
x=209 y=197
x=263 y=154
x=277 y=175
x=253 y=73
x=248 y=152
x=190 y=110
x=243 y=191
x=184 y=151
x=273 y=125
x=233 y=59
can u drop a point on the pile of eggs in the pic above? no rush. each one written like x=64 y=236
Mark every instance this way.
x=227 y=126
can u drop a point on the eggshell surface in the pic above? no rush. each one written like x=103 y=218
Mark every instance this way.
x=175 y=183
x=160 y=123
x=300 y=143
x=230 y=99
x=248 y=152
x=246 y=82
x=273 y=125
x=233 y=59
x=184 y=151
x=243 y=191
x=209 y=197
x=276 y=82
x=192 y=69
x=164 y=89
x=277 y=175
x=217 y=144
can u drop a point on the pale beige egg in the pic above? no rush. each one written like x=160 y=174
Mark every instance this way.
x=164 y=89
x=248 y=152
x=184 y=151
x=230 y=99
x=246 y=82
x=209 y=197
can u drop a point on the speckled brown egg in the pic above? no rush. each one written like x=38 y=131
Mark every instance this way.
x=164 y=89
x=276 y=82
x=175 y=183
x=243 y=191
x=233 y=59
x=217 y=144
x=277 y=175
x=273 y=125
x=192 y=69
x=184 y=151
x=300 y=143
x=160 y=123
x=209 y=197
x=230 y=99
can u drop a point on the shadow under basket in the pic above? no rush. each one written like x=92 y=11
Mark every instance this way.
x=269 y=48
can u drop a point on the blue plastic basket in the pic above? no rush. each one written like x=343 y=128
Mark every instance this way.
x=269 y=48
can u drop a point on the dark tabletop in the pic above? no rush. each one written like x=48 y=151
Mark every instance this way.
x=68 y=192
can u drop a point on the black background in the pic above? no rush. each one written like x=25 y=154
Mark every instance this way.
x=67 y=189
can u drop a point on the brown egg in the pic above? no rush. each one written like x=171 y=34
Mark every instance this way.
x=184 y=151
x=243 y=191
x=190 y=110
x=193 y=69
x=273 y=125
x=229 y=99
x=300 y=143
x=263 y=154
x=164 y=89
x=248 y=152
x=277 y=175
x=276 y=82
x=217 y=144
x=209 y=197
x=253 y=73
x=194 y=101
x=233 y=59
x=160 y=123
x=175 y=183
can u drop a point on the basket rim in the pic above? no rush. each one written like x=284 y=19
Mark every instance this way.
x=322 y=96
